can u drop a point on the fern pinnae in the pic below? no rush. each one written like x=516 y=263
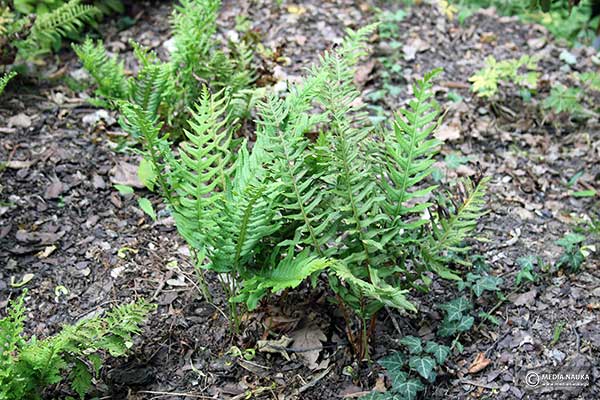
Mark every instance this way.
x=411 y=150
x=64 y=20
x=453 y=230
x=108 y=73
x=291 y=166
x=4 y=79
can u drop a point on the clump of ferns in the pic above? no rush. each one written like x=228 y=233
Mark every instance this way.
x=349 y=206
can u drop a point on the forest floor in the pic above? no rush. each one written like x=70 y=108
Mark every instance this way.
x=62 y=220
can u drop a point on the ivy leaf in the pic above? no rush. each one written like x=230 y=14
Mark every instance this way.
x=423 y=365
x=447 y=328
x=455 y=308
x=489 y=317
x=410 y=388
x=465 y=323
x=458 y=346
x=488 y=282
x=439 y=351
x=374 y=395
x=413 y=344
x=393 y=364
x=570 y=240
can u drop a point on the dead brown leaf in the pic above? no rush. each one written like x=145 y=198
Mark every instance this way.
x=308 y=342
x=125 y=173
x=524 y=298
x=479 y=363
x=54 y=190
x=361 y=76
x=20 y=120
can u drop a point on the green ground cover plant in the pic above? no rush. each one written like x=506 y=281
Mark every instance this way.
x=563 y=18
x=28 y=366
x=4 y=79
x=488 y=81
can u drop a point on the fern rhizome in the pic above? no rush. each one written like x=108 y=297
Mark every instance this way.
x=350 y=206
x=29 y=366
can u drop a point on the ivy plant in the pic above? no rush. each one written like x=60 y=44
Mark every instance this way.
x=408 y=371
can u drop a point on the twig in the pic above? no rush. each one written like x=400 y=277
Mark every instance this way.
x=487 y=352
x=315 y=380
x=248 y=394
x=483 y=385
x=578 y=340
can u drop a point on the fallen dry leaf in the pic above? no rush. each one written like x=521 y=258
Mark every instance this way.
x=448 y=131
x=54 y=190
x=46 y=252
x=524 y=298
x=361 y=76
x=479 y=363
x=20 y=120
x=18 y=164
x=308 y=341
x=125 y=173
x=275 y=346
x=412 y=47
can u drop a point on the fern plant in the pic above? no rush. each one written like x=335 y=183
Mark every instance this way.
x=25 y=38
x=575 y=100
x=4 y=79
x=27 y=367
x=350 y=207
x=40 y=7
x=167 y=90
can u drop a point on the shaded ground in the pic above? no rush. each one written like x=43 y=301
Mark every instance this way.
x=62 y=220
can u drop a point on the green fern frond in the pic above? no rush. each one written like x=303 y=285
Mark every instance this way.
x=200 y=173
x=156 y=148
x=409 y=155
x=378 y=290
x=149 y=86
x=450 y=231
x=47 y=28
x=27 y=367
x=302 y=193
x=249 y=211
x=4 y=79
x=288 y=274
x=107 y=72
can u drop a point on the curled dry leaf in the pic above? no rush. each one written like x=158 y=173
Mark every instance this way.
x=479 y=363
